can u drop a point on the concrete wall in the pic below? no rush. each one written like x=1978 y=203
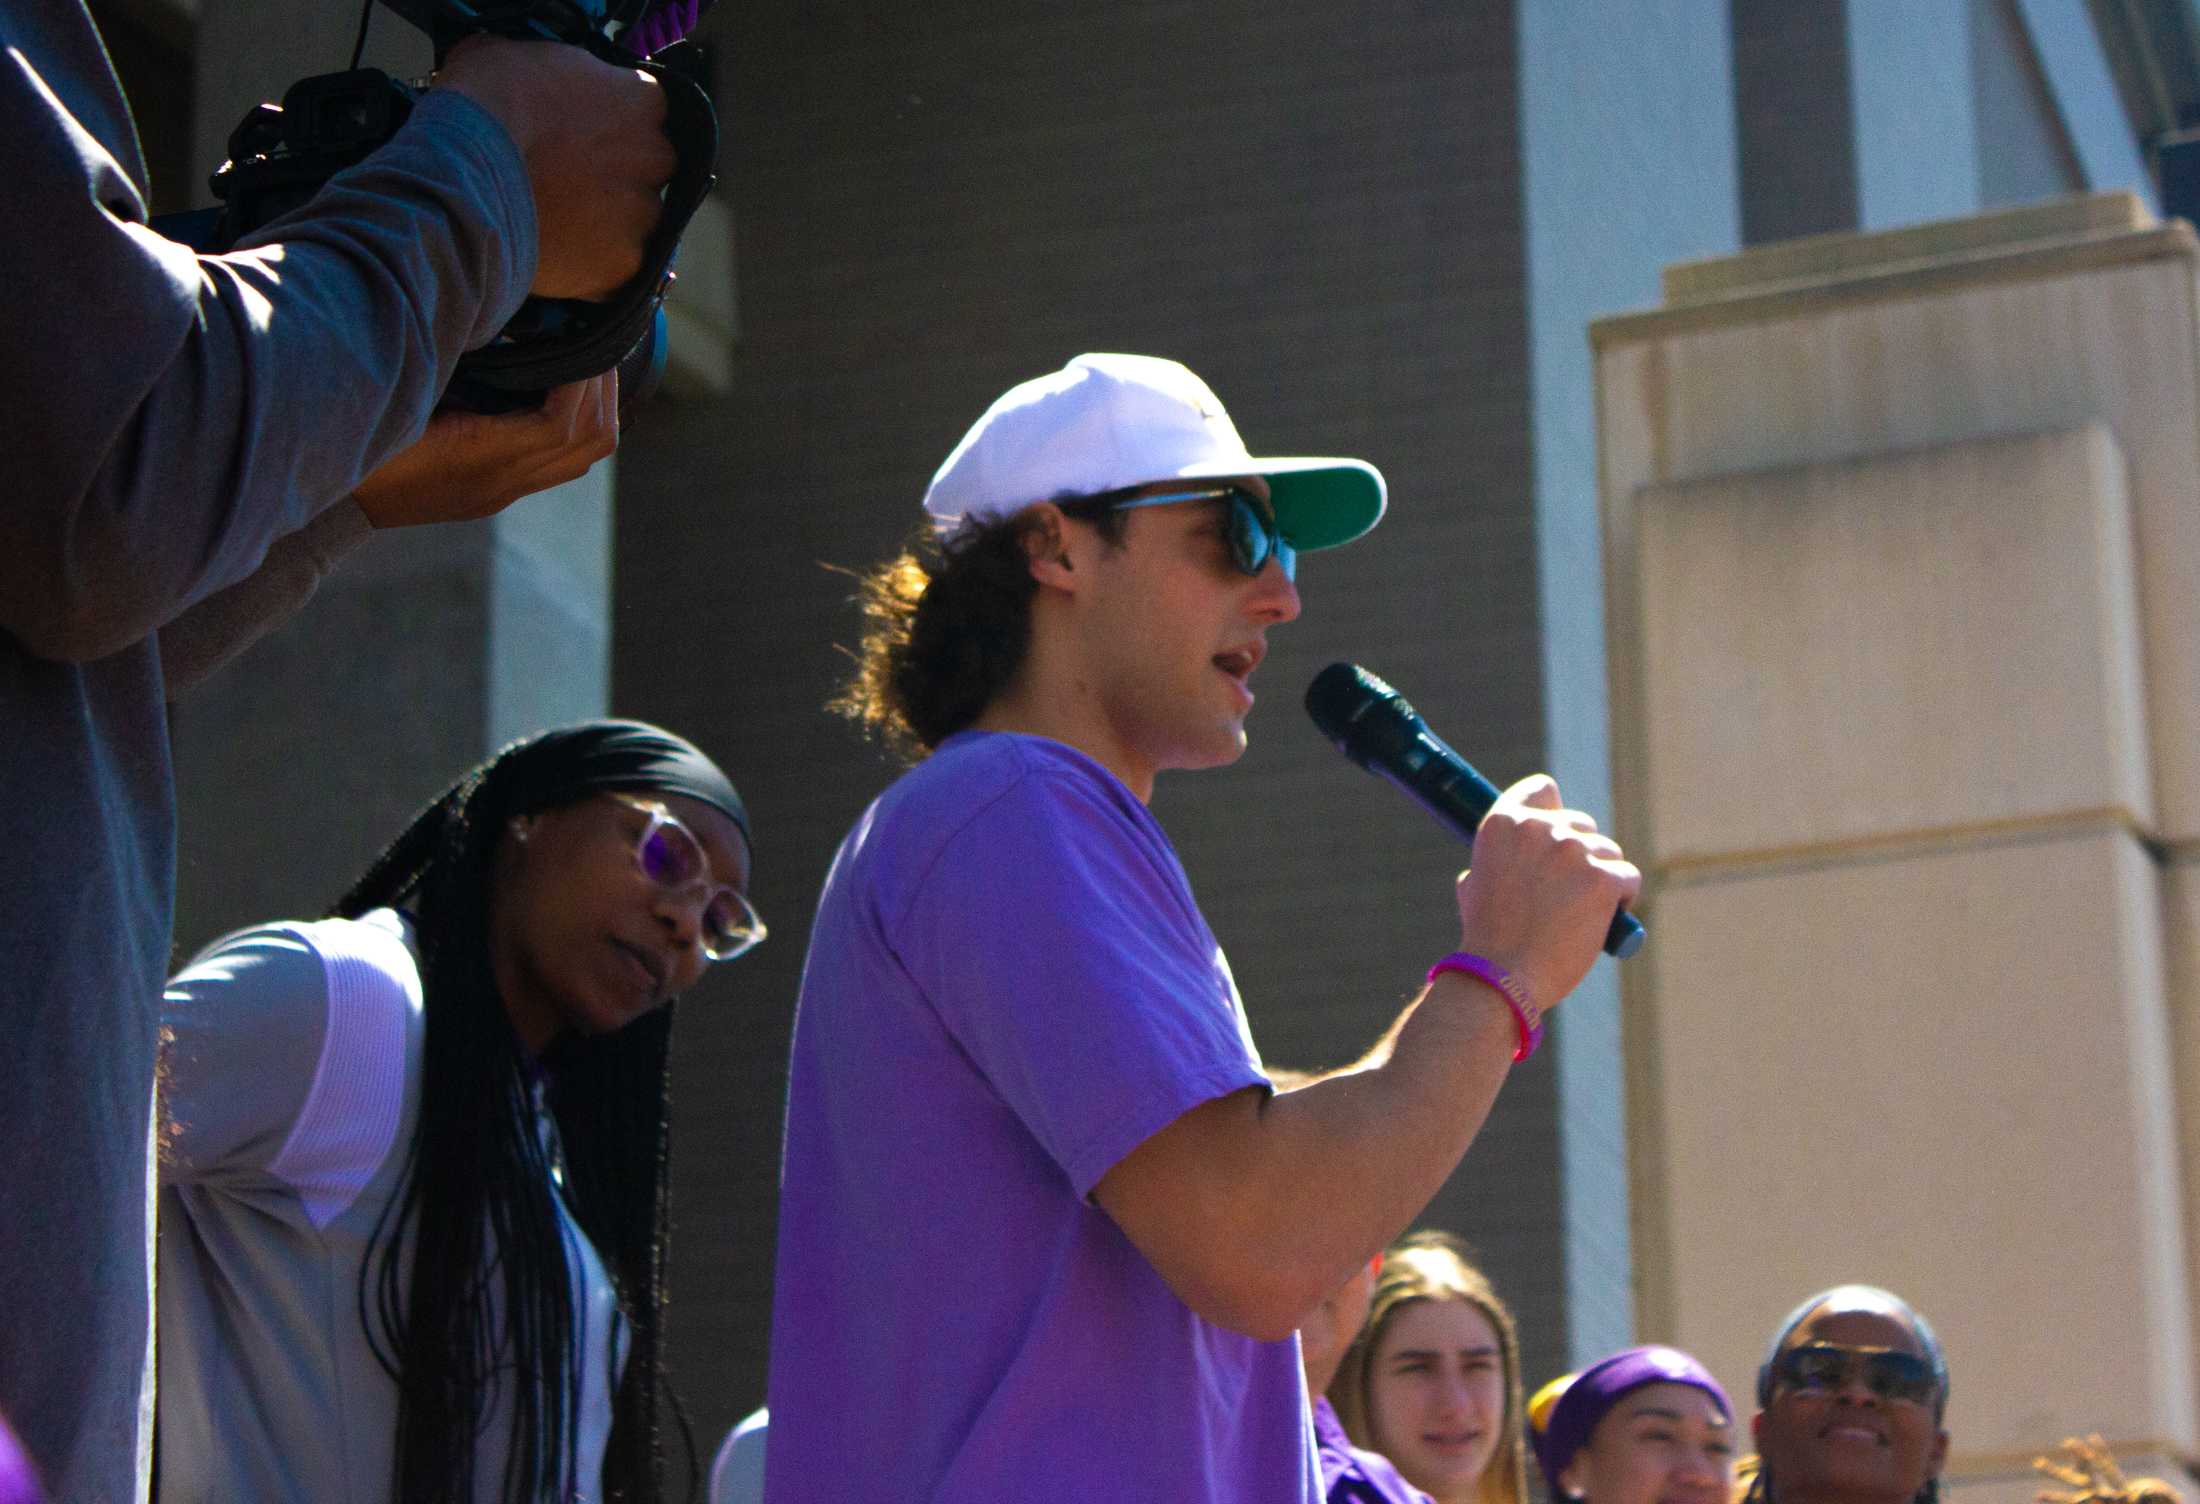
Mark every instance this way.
x=1903 y=686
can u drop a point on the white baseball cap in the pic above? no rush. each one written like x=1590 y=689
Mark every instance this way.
x=1106 y=422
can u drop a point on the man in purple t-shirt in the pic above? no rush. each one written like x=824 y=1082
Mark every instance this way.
x=1043 y=1231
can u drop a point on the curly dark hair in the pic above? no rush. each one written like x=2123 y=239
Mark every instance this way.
x=947 y=626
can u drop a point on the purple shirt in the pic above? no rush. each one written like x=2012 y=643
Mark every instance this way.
x=1008 y=989
x=1351 y=1476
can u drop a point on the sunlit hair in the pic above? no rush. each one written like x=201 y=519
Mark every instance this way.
x=947 y=626
x=2090 y=1474
x=1431 y=1265
x=466 y=1283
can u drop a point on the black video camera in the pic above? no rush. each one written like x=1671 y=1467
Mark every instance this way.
x=280 y=155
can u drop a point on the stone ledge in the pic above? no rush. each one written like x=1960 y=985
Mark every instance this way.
x=1880 y=280
x=1820 y=258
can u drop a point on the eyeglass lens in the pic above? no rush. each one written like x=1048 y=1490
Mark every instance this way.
x=1821 y=1367
x=1251 y=536
x=671 y=857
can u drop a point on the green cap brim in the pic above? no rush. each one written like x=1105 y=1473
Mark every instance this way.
x=1328 y=503
x=1319 y=503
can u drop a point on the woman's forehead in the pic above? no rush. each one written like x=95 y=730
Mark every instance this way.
x=1681 y=1399
x=1451 y=1322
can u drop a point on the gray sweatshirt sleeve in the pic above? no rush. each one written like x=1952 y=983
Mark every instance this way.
x=169 y=414
x=206 y=637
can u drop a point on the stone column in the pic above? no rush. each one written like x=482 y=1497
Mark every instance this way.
x=1900 y=537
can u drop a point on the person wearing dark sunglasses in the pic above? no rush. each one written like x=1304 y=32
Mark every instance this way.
x=414 y=1183
x=1851 y=1397
x=1020 y=1061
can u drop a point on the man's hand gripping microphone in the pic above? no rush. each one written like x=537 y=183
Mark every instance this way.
x=1372 y=724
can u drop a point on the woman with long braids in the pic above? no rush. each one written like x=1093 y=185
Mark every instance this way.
x=413 y=1206
x=1850 y=1401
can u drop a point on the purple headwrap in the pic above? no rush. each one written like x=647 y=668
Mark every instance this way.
x=1600 y=1386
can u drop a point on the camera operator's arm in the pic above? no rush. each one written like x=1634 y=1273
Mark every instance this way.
x=207 y=636
x=471 y=465
x=175 y=413
x=467 y=465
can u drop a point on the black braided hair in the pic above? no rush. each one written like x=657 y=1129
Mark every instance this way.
x=473 y=1229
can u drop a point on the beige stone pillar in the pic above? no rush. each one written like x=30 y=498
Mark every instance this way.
x=1901 y=534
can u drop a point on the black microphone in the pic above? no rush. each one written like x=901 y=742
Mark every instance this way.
x=1372 y=724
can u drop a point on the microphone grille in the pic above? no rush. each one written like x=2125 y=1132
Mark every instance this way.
x=1367 y=720
x=1339 y=699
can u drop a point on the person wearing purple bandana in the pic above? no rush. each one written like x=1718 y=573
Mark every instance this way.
x=1648 y=1425
x=1044 y=1225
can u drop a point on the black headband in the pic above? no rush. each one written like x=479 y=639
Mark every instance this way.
x=559 y=766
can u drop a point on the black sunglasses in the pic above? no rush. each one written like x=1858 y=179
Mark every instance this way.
x=1253 y=537
x=1824 y=1367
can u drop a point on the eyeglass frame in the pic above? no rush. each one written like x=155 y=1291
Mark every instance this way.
x=662 y=818
x=1250 y=517
x=1888 y=1372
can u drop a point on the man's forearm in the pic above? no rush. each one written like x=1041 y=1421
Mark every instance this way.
x=1254 y=1207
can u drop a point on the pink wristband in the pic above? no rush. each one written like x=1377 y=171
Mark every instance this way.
x=1524 y=1011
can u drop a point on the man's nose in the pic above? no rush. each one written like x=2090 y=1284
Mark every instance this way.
x=1276 y=594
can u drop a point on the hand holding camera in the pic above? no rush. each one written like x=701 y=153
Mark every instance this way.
x=597 y=154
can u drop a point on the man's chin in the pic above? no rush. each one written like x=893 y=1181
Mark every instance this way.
x=1227 y=749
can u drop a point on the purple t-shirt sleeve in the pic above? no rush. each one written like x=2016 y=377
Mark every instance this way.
x=1056 y=939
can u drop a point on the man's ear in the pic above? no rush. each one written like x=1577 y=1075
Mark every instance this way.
x=1940 y=1454
x=1046 y=547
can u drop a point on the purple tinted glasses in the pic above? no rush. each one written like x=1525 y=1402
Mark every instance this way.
x=671 y=857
